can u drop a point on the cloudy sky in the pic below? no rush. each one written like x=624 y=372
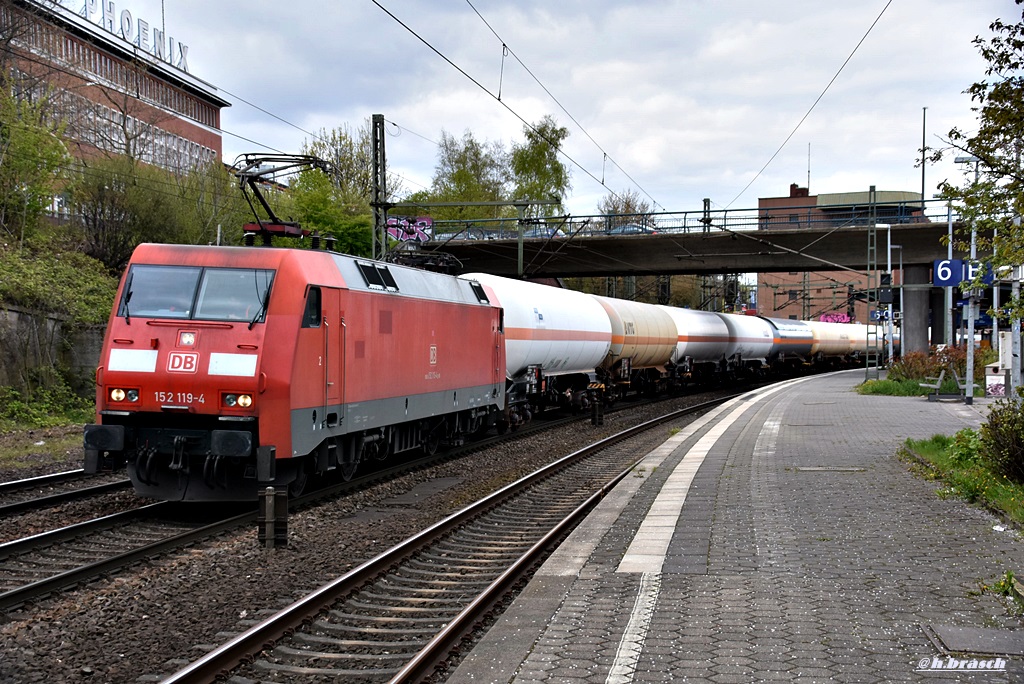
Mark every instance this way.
x=675 y=99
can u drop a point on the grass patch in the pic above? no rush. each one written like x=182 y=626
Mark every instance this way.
x=894 y=388
x=910 y=388
x=21 y=448
x=954 y=461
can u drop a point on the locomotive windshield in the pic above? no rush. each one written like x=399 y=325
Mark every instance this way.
x=194 y=293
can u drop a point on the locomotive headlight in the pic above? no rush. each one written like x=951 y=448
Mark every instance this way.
x=186 y=338
x=118 y=394
x=238 y=400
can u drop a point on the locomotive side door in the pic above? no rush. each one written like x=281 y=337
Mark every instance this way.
x=333 y=354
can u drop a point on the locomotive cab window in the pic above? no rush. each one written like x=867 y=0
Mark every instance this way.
x=191 y=292
x=159 y=292
x=313 y=314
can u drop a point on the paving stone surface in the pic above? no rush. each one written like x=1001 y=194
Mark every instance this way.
x=804 y=551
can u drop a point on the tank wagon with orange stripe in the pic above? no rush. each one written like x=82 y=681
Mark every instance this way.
x=556 y=342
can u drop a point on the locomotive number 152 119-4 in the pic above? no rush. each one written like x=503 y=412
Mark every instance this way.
x=178 y=398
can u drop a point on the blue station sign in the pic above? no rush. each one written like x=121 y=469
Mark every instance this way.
x=950 y=272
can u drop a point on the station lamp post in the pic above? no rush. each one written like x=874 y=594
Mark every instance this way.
x=969 y=389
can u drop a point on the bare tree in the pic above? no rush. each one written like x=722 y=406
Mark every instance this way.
x=350 y=153
x=628 y=204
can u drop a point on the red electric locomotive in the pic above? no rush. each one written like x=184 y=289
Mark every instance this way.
x=228 y=369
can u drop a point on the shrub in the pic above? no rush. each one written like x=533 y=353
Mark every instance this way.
x=43 y=404
x=965 y=448
x=1002 y=439
x=914 y=366
x=918 y=365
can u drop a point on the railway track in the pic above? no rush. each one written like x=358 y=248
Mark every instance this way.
x=33 y=567
x=400 y=616
x=38 y=565
x=19 y=496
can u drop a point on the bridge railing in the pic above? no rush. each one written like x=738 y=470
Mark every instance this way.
x=818 y=217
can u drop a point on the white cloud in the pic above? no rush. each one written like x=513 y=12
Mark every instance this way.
x=690 y=97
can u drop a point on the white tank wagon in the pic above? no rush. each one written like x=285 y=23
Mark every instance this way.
x=751 y=340
x=555 y=339
x=702 y=338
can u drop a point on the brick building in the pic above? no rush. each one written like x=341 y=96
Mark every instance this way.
x=120 y=83
x=828 y=294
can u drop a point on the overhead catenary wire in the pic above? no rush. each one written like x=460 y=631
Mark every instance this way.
x=605 y=156
x=813 y=105
x=484 y=88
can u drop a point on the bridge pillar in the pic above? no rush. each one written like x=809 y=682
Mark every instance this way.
x=914 y=328
x=937 y=296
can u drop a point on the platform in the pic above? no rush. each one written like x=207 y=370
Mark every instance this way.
x=776 y=539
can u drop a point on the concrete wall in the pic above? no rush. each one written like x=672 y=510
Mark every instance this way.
x=33 y=342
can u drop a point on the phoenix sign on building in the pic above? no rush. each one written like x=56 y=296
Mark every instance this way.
x=120 y=83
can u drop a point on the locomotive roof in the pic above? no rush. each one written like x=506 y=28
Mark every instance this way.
x=327 y=269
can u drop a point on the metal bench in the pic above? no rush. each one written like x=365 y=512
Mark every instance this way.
x=935 y=384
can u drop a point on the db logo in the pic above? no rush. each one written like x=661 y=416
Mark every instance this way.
x=183 y=362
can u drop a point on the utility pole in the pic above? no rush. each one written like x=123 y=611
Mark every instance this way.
x=380 y=194
x=924 y=155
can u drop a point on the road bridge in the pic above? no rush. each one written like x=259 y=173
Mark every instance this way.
x=716 y=251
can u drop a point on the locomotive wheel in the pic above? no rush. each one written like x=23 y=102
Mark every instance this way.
x=432 y=441
x=297 y=487
x=347 y=470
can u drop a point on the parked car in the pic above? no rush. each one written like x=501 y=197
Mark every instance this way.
x=631 y=229
x=543 y=232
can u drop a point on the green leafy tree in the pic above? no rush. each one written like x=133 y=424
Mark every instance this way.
x=991 y=200
x=350 y=154
x=209 y=199
x=121 y=204
x=319 y=207
x=467 y=171
x=537 y=172
x=33 y=161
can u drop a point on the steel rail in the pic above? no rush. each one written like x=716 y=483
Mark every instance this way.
x=40 y=481
x=63 y=497
x=74 y=576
